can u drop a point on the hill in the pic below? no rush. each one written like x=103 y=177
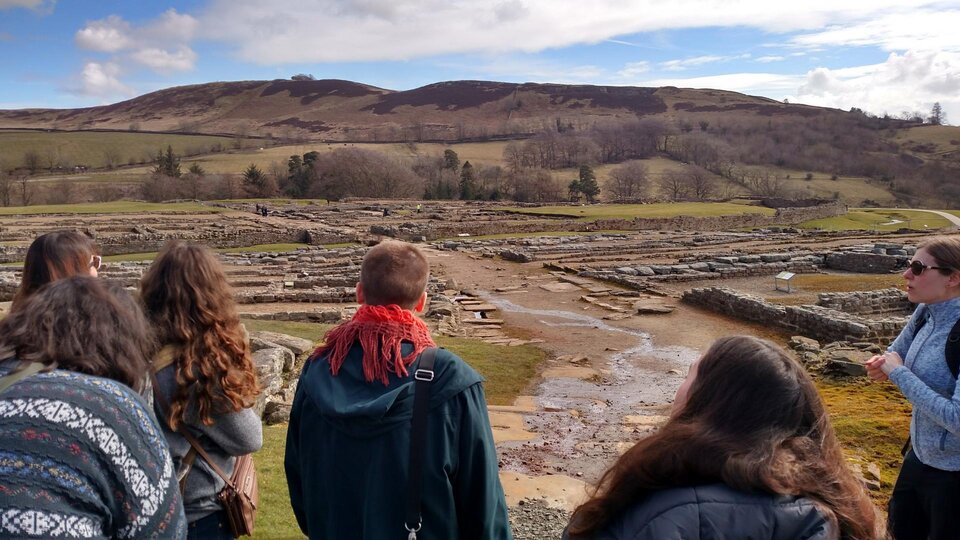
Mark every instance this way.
x=756 y=145
x=342 y=110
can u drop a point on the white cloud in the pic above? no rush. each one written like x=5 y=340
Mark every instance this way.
x=899 y=30
x=163 y=61
x=696 y=61
x=771 y=58
x=911 y=81
x=297 y=31
x=633 y=69
x=161 y=44
x=102 y=81
x=107 y=35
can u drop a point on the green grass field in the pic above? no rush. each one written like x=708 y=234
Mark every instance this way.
x=508 y=372
x=116 y=207
x=658 y=210
x=864 y=219
x=97 y=149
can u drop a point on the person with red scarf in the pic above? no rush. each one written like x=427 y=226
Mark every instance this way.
x=348 y=441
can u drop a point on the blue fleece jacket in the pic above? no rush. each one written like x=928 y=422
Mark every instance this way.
x=926 y=381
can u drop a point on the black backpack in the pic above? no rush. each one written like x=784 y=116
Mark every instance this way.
x=951 y=349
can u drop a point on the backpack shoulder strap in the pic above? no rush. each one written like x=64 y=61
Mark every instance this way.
x=418 y=439
x=952 y=350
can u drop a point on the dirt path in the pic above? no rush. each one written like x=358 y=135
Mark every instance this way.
x=607 y=383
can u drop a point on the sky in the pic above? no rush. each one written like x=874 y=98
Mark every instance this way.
x=882 y=56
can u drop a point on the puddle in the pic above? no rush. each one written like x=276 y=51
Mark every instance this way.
x=584 y=423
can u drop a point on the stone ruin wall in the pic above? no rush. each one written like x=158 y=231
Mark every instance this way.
x=882 y=302
x=817 y=322
x=434 y=230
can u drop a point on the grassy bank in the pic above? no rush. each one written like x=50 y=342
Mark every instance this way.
x=631 y=211
x=872 y=421
x=878 y=220
x=116 y=207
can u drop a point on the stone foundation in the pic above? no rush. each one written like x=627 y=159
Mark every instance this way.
x=812 y=321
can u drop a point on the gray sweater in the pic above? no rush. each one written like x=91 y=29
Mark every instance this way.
x=232 y=434
x=927 y=383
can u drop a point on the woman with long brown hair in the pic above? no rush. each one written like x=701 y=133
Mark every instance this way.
x=748 y=452
x=56 y=255
x=206 y=380
x=81 y=455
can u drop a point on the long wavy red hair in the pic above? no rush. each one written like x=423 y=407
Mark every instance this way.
x=753 y=421
x=191 y=306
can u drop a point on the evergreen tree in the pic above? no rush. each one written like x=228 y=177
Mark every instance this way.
x=254 y=180
x=167 y=164
x=468 y=182
x=588 y=183
x=451 y=160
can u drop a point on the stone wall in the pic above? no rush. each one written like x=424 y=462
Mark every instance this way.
x=443 y=229
x=812 y=321
x=865 y=263
x=882 y=302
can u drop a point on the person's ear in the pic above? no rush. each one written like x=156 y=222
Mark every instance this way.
x=953 y=280
x=359 y=293
x=422 y=303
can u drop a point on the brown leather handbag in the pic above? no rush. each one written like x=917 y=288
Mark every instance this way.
x=241 y=496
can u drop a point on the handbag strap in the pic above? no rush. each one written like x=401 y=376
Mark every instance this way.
x=162 y=402
x=12 y=378
x=418 y=438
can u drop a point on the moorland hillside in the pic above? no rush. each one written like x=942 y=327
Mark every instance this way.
x=751 y=142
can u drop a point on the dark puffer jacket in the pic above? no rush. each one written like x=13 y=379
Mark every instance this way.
x=718 y=512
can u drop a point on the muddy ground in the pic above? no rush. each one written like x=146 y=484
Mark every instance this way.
x=608 y=382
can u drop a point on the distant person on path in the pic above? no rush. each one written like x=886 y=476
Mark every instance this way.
x=348 y=442
x=205 y=377
x=263 y=210
x=926 y=496
x=257 y=206
x=56 y=255
x=419 y=208
x=748 y=452
x=81 y=454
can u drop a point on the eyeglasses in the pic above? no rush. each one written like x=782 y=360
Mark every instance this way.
x=96 y=261
x=917 y=267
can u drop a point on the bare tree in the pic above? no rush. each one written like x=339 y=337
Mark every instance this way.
x=6 y=187
x=26 y=190
x=700 y=184
x=111 y=157
x=628 y=181
x=674 y=184
x=31 y=160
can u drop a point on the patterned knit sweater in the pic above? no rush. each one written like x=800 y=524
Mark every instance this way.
x=82 y=457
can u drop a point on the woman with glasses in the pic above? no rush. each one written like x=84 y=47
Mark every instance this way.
x=56 y=255
x=206 y=383
x=927 y=493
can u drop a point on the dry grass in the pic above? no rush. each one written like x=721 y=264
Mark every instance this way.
x=806 y=287
x=91 y=148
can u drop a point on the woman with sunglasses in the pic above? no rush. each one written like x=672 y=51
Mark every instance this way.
x=927 y=493
x=56 y=255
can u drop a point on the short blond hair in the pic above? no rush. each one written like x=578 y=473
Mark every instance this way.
x=394 y=272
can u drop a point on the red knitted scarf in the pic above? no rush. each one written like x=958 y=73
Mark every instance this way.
x=380 y=330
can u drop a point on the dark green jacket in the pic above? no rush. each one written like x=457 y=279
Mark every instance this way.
x=348 y=444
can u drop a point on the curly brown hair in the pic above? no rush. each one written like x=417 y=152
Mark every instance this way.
x=52 y=256
x=82 y=324
x=753 y=421
x=191 y=306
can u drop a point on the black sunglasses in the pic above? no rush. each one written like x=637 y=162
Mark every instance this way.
x=917 y=267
